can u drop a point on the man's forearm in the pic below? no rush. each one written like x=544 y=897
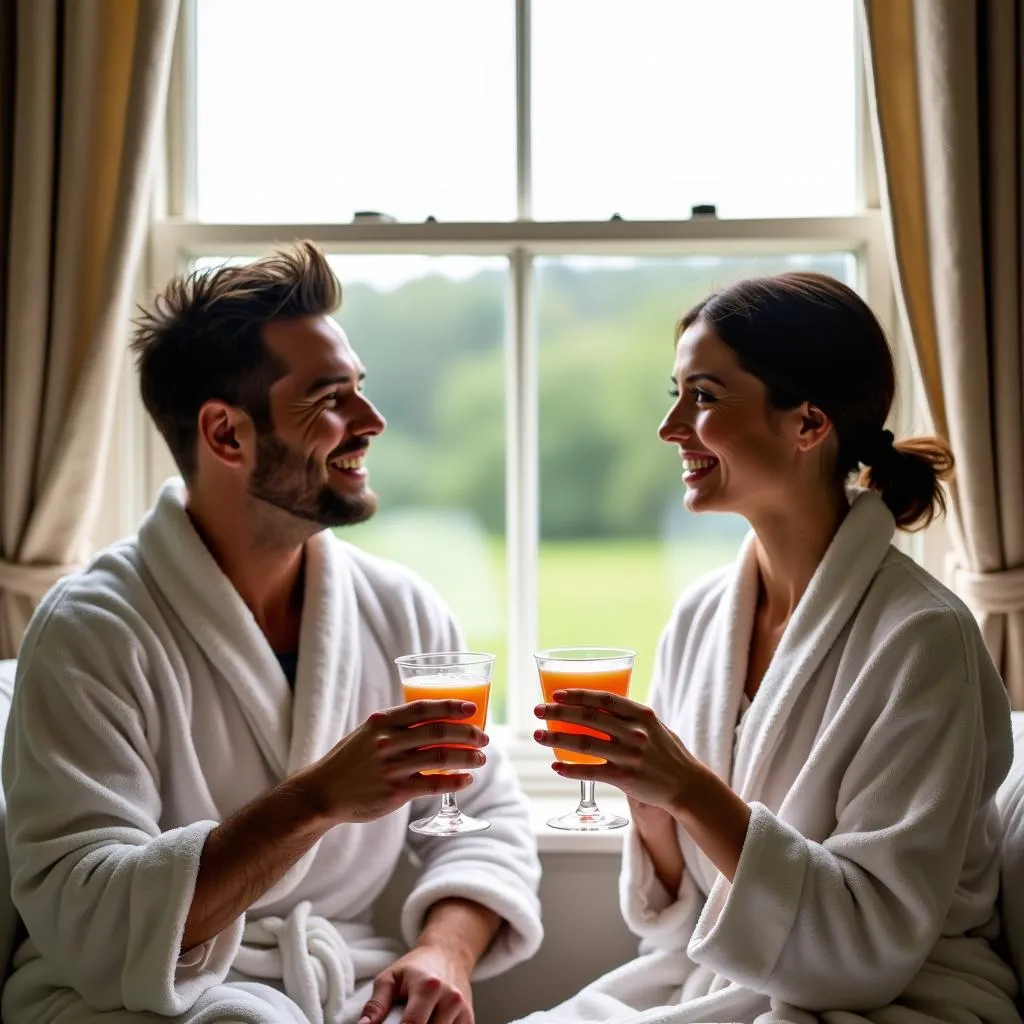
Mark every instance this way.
x=247 y=854
x=461 y=927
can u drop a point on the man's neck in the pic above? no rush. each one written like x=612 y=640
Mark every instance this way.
x=268 y=578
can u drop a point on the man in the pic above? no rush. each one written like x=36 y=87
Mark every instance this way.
x=207 y=775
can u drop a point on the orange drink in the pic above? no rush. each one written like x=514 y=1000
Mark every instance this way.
x=441 y=687
x=607 y=669
x=610 y=680
x=448 y=675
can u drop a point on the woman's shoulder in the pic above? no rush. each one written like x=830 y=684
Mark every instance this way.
x=910 y=594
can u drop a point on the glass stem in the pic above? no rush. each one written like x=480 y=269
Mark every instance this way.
x=449 y=806
x=587 y=803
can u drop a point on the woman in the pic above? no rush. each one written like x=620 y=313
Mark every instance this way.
x=812 y=789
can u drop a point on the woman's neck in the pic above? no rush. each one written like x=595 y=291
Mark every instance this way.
x=790 y=547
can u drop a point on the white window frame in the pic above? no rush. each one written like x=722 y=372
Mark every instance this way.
x=177 y=237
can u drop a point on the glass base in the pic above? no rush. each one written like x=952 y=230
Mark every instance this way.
x=443 y=825
x=588 y=821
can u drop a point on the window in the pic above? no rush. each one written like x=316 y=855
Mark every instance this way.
x=505 y=189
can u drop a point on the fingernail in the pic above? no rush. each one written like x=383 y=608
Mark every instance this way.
x=539 y=710
x=487 y=739
x=559 y=767
x=364 y=1020
x=538 y=734
x=468 y=708
x=560 y=695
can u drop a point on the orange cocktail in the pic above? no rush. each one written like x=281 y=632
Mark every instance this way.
x=440 y=687
x=607 y=669
x=576 y=676
x=448 y=675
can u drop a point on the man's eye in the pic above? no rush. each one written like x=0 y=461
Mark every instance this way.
x=333 y=400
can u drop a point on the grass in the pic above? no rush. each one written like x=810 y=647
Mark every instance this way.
x=602 y=593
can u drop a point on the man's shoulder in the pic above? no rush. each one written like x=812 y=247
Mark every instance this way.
x=110 y=588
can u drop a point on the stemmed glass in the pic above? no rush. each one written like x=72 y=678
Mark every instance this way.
x=584 y=668
x=448 y=675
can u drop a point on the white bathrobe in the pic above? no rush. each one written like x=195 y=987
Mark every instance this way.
x=869 y=758
x=148 y=707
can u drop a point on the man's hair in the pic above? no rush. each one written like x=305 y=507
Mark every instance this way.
x=201 y=339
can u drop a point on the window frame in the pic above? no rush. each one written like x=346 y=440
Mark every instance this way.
x=176 y=237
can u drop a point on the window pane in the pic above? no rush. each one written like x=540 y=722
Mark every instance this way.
x=311 y=110
x=617 y=545
x=430 y=332
x=649 y=108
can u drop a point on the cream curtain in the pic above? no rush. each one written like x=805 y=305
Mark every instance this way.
x=83 y=86
x=947 y=78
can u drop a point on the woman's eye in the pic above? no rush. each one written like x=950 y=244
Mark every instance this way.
x=702 y=397
x=673 y=392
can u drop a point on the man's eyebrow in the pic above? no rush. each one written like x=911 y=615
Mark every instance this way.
x=326 y=382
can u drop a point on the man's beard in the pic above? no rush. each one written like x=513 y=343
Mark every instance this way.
x=284 y=479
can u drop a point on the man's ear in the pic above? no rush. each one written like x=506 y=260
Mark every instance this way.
x=226 y=433
x=814 y=427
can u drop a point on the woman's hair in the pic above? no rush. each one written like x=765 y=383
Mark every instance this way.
x=202 y=339
x=810 y=338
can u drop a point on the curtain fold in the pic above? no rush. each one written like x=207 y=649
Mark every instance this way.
x=83 y=89
x=947 y=85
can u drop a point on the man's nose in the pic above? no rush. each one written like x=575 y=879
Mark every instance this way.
x=369 y=422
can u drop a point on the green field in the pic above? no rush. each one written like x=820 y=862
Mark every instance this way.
x=616 y=593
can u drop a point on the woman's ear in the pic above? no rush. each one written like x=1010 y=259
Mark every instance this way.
x=225 y=430
x=814 y=427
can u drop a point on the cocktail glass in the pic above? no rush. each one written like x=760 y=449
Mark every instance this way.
x=448 y=675
x=607 y=669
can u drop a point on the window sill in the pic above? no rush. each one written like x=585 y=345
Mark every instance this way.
x=552 y=840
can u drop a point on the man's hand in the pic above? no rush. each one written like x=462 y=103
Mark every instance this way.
x=434 y=986
x=375 y=769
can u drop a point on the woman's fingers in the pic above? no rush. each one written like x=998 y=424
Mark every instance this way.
x=593 y=746
x=592 y=717
x=602 y=700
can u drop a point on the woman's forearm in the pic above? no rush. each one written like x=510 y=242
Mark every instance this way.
x=716 y=818
x=657 y=831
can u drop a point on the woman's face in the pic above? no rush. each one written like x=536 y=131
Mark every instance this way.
x=738 y=454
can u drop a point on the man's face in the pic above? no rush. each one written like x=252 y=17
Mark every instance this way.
x=311 y=463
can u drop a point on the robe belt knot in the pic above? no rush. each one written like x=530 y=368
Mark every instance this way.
x=31 y=580
x=999 y=593
x=308 y=954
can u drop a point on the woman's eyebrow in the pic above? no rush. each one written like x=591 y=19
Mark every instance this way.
x=694 y=377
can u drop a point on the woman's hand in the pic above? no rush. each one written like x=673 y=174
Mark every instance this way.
x=650 y=764
x=644 y=758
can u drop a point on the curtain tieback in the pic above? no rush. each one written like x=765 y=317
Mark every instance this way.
x=31 y=581
x=998 y=593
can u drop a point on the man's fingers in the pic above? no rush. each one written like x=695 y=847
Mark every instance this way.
x=434 y=759
x=424 y=711
x=437 y=732
x=435 y=785
x=452 y=1009
x=424 y=995
x=381 y=999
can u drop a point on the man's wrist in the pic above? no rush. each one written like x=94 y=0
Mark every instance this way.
x=443 y=942
x=461 y=929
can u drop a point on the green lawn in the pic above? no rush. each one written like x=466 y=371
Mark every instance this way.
x=615 y=593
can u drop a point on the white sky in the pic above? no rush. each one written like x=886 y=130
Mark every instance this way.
x=312 y=109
